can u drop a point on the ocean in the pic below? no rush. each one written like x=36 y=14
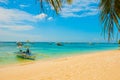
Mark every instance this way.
x=45 y=50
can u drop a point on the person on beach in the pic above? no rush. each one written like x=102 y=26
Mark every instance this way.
x=28 y=51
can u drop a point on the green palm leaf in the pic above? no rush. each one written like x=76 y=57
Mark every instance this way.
x=109 y=16
x=56 y=4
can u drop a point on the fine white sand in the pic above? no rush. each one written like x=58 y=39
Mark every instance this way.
x=104 y=65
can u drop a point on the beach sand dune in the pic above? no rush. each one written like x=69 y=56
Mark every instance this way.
x=104 y=65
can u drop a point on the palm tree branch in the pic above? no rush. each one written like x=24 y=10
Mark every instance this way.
x=109 y=16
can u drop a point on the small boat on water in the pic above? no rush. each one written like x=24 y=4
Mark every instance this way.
x=25 y=56
x=118 y=41
x=59 y=44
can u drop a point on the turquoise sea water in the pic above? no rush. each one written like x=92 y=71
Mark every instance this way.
x=46 y=50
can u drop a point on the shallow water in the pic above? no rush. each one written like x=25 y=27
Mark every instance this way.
x=44 y=50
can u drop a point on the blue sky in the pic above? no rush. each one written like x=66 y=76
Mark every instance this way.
x=22 y=20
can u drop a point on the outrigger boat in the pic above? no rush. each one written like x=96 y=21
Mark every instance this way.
x=24 y=54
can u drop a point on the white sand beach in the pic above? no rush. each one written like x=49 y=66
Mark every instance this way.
x=104 y=65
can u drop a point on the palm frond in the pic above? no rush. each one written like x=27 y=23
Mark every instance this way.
x=110 y=16
x=56 y=4
x=69 y=1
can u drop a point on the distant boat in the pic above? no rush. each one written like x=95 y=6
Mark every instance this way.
x=59 y=44
x=119 y=42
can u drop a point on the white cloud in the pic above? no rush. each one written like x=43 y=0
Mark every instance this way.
x=4 y=1
x=18 y=16
x=17 y=27
x=50 y=18
x=23 y=5
x=80 y=8
x=13 y=36
x=15 y=16
x=14 y=19
x=41 y=16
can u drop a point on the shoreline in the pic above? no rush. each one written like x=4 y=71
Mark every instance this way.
x=94 y=66
x=25 y=61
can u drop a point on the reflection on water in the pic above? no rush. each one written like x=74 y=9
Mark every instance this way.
x=49 y=50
